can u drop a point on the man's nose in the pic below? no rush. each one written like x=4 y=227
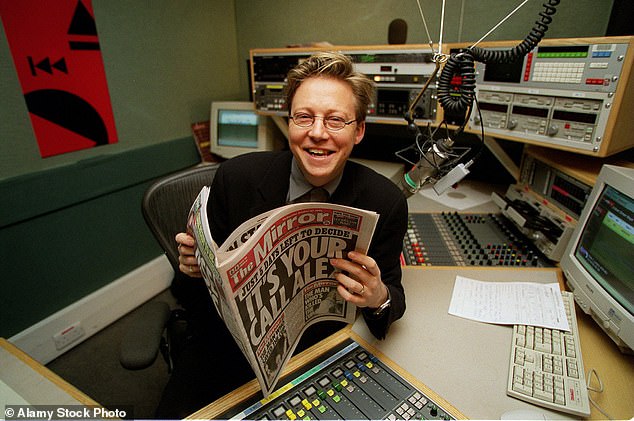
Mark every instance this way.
x=318 y=130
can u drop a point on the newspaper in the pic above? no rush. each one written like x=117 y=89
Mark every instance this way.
x=272 y=278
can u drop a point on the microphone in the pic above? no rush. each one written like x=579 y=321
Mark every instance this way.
x=426 y=169
x=397 y=32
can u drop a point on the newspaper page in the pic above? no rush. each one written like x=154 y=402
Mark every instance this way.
x=206 y=249
x=272 y=277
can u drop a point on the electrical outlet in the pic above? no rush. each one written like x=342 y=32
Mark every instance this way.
x=68 y=335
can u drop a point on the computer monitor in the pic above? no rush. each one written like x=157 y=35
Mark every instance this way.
x=235 y=128
x=599 y=261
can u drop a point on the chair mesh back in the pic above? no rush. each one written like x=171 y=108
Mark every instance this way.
x=167 y=202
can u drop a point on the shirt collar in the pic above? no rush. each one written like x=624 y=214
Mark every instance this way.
x=299 y=186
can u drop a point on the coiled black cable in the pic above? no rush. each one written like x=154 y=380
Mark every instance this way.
x=458 y=64
x=462 y=63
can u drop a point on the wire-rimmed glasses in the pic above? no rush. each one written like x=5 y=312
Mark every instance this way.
x=331 y=123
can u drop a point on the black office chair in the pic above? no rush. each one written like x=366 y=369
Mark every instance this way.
x=156 y=327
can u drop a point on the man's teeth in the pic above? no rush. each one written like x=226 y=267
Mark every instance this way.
x=318 y=152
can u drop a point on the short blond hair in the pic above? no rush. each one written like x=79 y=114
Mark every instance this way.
x=331 y=64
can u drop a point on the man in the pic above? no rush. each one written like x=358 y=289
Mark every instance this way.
x=328 y=103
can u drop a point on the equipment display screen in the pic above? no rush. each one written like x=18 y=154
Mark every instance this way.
x=504 y=72
x=500 y=108
x=606 y=245
x=237 y=128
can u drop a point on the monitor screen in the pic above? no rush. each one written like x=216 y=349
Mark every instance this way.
x=236 y=128
x=605 y=248
x=599 y=260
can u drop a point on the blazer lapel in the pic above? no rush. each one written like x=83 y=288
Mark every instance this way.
x=346 y=192
x=273 y=188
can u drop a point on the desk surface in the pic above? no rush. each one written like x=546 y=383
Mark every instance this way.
x=466 y=362
x=25 y=381
x=422 y=202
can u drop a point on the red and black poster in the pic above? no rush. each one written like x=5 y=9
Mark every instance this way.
x=57 y=56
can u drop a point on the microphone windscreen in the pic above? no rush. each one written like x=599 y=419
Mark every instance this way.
x=397 y=32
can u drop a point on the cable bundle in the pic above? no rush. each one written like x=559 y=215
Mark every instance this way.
x=462 y=63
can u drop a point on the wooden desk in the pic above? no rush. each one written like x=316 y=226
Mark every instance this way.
x=27 y=382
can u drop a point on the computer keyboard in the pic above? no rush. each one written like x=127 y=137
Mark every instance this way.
x=546 y=368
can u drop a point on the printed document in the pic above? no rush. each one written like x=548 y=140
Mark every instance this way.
x=525 y=303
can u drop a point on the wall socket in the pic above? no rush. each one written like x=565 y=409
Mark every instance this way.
x=68 y=335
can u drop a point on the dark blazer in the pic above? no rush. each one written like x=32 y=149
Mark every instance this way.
x=210 y=363
x=254 y=183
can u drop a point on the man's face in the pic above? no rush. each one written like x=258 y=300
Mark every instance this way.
x=322 y=153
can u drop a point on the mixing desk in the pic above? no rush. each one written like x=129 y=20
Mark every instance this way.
x=453 y=239
x=347 y=383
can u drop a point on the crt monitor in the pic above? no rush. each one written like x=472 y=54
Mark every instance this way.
x=599 y=260
x=235 y=128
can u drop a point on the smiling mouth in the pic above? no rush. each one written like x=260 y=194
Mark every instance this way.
x=319 y=152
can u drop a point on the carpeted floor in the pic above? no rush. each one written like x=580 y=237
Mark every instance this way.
x=93 y=367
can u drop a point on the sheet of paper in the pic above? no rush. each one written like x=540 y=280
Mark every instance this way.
x=509 y=303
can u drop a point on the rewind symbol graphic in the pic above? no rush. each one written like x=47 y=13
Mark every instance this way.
x=47 y=66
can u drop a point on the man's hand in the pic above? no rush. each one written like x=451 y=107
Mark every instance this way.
x=187 y=260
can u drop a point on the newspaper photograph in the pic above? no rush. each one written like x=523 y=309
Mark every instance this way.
x=272 y=278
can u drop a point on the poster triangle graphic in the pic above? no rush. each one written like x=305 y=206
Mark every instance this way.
x=48 y=67
x=45 y=65
x=82 y=23
x=61 y=65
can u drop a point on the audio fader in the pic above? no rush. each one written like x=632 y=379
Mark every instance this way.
x=463 y=239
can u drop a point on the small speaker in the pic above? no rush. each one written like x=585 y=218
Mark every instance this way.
x=397 y=32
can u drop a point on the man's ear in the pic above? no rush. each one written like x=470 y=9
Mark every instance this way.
x=359 y=132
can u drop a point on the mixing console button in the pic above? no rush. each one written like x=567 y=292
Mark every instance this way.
x=295 y=400
x=279 y=411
